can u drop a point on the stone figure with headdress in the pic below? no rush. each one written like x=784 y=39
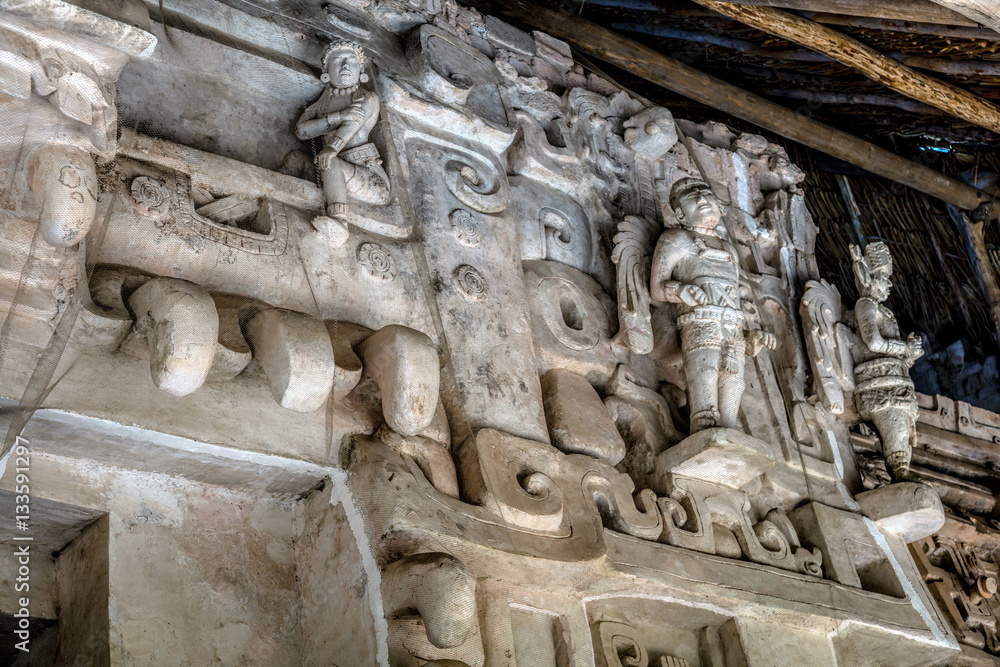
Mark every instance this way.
x=694 y=267
x=344 y=115
x=872 y=361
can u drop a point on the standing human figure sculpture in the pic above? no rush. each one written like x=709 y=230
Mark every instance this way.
x=343 y=116
x=698 y=270
x=883 y=392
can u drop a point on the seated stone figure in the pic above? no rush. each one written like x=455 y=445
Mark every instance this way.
x=884 y=392
x=697 y=269
x=343 y=116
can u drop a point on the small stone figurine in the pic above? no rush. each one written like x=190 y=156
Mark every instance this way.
x=343 y=116
x=883 y=391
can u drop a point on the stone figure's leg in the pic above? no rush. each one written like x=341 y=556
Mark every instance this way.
x=335 y=186
x=335 y=193
x=731 y=383
x=701 y=368
x=895 y=426
x=700 y=344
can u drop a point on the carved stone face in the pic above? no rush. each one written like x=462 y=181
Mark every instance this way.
x=344 y=68
x=651 y=132
x=879 y=284
x=698 y=208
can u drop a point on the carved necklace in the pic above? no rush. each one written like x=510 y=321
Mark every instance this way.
x=346 y=91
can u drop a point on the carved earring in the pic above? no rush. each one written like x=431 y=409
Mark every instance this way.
x=324 y=77
x=363 y=78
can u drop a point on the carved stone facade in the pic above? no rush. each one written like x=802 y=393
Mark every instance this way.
x=468 y=358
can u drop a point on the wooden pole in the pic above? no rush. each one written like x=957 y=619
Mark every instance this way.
x=849 y=51
x=975 y=246
x=895 y=25
x=657 y=68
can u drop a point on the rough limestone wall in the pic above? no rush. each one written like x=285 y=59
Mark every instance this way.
x=198 y=574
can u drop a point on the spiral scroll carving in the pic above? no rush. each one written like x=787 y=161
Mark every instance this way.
x=466 y=228
x=471 y=283
x=377 y=261
x=150 y=196
x=477 y=184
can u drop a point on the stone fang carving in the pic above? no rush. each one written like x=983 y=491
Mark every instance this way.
x=404 y=364
x=440 y=589
x=344 y=116
x=297 y=356
x=64 y=182
x=884 y=392
x=577 y=419
x=182 y=328
x=697 y=269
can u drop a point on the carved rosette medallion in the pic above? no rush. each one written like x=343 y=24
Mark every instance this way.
x=471 y=283
x=151 y=197
x=466 y=228
x=377 y=262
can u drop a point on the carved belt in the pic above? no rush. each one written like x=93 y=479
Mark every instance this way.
x=361 y=154
x=721 y=314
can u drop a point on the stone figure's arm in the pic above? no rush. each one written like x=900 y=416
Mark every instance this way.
x=354 y=118
x=866 y=319
x=670 y=249
x=661 y=285
x=310 y=127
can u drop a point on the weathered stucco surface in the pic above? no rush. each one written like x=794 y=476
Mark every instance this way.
x=387 y=334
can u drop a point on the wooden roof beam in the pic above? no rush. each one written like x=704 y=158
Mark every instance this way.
x=986 y=12
x=894 y=25
x=661 y=70
x=849 y=51
x=922 y=11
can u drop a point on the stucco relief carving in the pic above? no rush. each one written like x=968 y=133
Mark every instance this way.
x=695 y=268
x=350 y=167
x=567 y=355
x=965 y=584
x=869 y=363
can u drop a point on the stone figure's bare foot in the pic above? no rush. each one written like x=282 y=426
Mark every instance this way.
x=332 y=229
x=704 y=419
x=898 y=464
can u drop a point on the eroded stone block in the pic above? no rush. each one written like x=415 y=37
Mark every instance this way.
x=577 y=419
x=911 y=510
x=719 y=455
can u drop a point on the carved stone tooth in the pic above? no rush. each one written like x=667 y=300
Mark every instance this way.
x=911 y=510
x=64 y=182
x=297 y=356
x=404 y=364
x=182 y=328
x=577 y=419
x=441 y=590
x=232 y=353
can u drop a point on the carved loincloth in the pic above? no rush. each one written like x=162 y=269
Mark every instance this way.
x=368 y=181
x=715 y=328
x=884 y=383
